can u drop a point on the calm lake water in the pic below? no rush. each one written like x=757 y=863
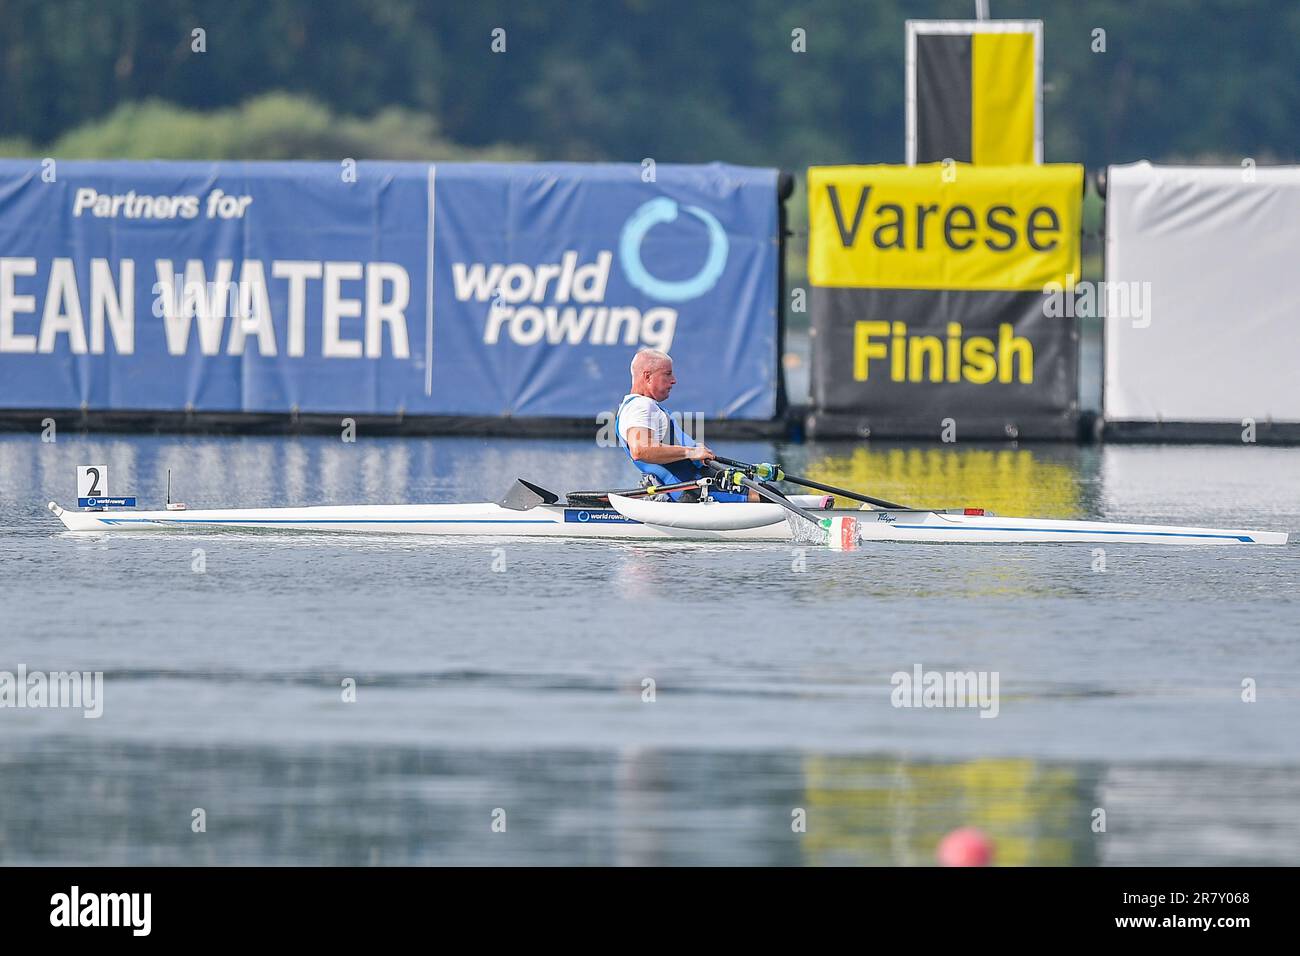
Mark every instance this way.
x=507 y=681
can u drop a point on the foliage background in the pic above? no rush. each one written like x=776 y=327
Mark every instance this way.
x=622 y=79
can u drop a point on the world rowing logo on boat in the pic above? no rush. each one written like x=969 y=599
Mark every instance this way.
x=574 y=515
x=663 y=210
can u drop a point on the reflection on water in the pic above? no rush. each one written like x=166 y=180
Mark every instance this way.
x=134 y=804
x=889 y=811
x=1024 y=481
x=1121 y=691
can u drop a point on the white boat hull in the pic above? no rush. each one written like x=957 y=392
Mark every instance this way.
x=938 y=526
x=561 y=521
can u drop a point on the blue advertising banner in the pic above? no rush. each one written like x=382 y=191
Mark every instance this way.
x=283 y=287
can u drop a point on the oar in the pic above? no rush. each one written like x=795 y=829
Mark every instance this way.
x=772 y=496
x=829 y=489
x=650 y=490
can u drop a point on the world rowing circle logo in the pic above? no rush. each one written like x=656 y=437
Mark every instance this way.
x=648 y=216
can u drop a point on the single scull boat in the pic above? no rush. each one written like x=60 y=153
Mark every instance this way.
x=530 y=511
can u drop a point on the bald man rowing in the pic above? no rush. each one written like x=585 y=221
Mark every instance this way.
x=654 y=442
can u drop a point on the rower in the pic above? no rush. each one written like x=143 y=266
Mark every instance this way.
x=662 y=450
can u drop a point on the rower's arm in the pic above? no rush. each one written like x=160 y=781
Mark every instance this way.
x=641 y=443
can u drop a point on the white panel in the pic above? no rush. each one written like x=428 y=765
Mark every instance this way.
x=1221 y=254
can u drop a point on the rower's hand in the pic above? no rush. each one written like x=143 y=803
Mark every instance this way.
x=700 y=453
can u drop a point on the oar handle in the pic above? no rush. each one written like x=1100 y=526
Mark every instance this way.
x=772 y=496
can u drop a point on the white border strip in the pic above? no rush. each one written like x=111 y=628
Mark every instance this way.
x=1037 y=29
x=976 y=26
x=970 y=27
x=428 y=287
x=909 y=108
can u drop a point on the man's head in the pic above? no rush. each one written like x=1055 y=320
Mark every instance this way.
x=652 y=374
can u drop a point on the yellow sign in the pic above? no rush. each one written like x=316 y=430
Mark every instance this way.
x=922 y=358
x=1002 y=85
x=944 y=226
